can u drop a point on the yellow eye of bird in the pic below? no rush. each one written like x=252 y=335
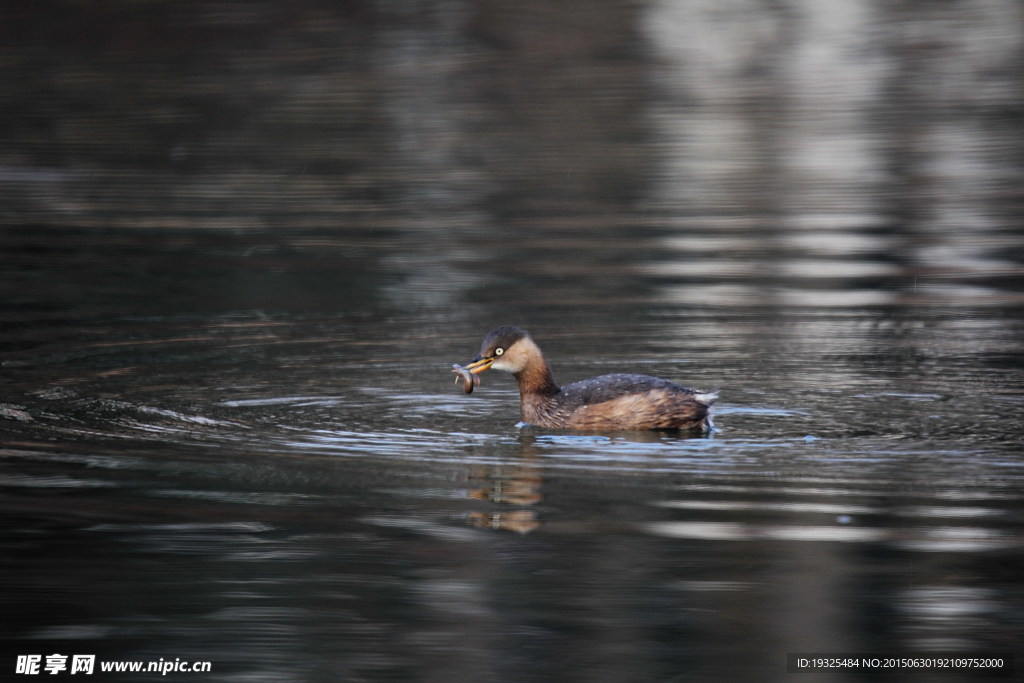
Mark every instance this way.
x=498 y=351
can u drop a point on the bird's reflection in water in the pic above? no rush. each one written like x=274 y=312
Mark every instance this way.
x=513 y=488
x=519 y=521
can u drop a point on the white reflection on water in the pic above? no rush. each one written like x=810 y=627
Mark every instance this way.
x=823 y=508
x=949 y=539
x=945 y=617
x=946 y=602
x=936 y=511
x=959 y=539
x=297 y=401
x=732 y=531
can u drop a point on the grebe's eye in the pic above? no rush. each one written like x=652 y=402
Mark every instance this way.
x=498 y=351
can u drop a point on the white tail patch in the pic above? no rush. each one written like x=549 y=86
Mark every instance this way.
x=707 y=397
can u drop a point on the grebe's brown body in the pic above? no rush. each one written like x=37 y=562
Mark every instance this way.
x=605 y=403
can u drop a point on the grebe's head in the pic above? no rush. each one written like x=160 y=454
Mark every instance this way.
x=506 y=348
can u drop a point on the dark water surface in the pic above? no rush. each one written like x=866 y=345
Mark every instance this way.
x=241 y=246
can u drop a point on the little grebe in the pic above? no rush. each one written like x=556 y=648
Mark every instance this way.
x=605 y=403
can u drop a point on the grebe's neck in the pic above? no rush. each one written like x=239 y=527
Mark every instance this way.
x=535 y=376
